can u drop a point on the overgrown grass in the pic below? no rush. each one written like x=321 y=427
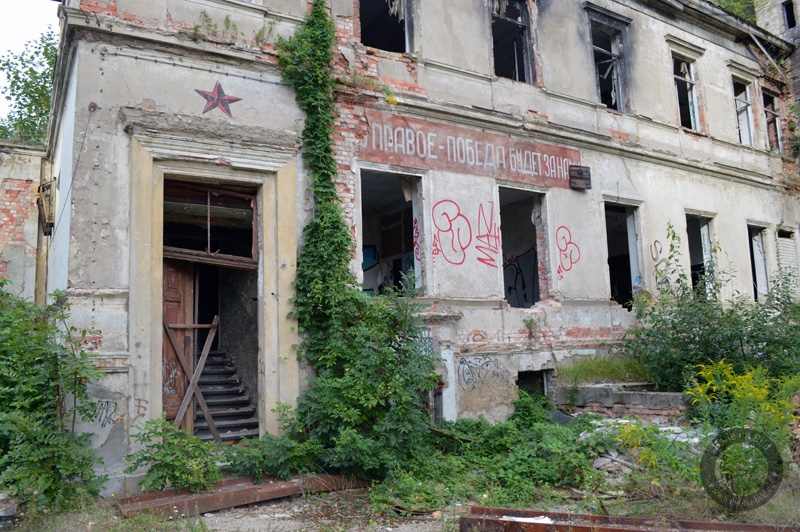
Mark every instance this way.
x=614 y=368
x=101 y=515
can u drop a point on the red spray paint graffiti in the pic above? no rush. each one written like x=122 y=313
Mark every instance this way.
x=569 y=252
x=489 y=236
x=454 y=233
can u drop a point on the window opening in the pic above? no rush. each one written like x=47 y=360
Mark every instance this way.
x=787 y=257
x=510 y=38
x=788 y=13
x=699 y=235
x=773 y=121
x=623 y=258
x=533 y=382
x=607 y=47
x=758 y=262
x=383 y=24
x=741 y=95
x=683 y=72
x=210 y=225
x=520 y=223
x=391 y=232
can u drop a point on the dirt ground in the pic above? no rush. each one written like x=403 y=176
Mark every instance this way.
x=342 y=511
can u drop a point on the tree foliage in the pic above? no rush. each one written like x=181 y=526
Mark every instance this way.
x=43 y=379
x=29 y=86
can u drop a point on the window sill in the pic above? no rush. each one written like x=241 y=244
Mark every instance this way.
x=694 y=132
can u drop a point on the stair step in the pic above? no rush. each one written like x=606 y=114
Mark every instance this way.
x=218 y=370
x=244 y=412
x=227 y=436
x=227 y=424
x=216 y=380
x=221 y=390
x=227 y=401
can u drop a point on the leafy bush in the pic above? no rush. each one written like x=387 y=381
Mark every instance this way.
x=684 y=326
x=722 y=398
x=43 y=378
x=176 y=458
x=280 y=456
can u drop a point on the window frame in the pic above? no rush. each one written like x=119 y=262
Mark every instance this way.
x=744 y=110
x=527 y=41
x=772 y=116
x=788 y=14
x=405 y=18
x=690 y=81
x=615 y=26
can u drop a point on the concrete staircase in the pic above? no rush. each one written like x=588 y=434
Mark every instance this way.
x=232 y=409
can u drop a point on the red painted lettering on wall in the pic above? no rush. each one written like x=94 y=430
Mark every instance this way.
x=417 y=251
x=405 y=141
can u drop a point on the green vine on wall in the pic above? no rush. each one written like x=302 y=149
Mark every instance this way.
x=364 y=410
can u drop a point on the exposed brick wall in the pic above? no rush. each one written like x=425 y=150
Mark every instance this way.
x=17 y=208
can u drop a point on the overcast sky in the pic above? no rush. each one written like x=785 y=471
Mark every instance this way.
x=23 y=21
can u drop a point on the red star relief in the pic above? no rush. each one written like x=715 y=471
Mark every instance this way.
x=217 y=99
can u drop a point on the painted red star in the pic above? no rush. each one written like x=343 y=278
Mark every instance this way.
x=217 y=99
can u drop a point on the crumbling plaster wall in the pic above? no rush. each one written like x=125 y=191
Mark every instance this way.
x=132 y=115
x=20 y=169
x=640 y=159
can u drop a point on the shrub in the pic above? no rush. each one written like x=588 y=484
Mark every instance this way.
x=176 y=458
x=43 y=378
x=683 y=326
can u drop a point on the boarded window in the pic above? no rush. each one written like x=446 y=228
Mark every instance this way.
x=623 y=256
x=683 y=73
x=383 y=24
x=510 y=36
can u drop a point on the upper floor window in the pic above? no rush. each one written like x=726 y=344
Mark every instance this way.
x=383 y=24
x=607 y=30
x=511 y=40
x=744 y=118
x=788 y=14
x=683 y=72
x=773 y=121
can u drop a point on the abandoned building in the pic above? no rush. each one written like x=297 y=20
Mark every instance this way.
x=525 y=165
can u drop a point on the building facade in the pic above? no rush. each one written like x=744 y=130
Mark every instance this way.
x=523 y=158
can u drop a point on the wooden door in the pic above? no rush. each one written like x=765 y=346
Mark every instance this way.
x=178 y=308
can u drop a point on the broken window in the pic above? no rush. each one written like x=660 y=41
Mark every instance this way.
x=533 y=382
x=511 y=38
x=741 y=95
x=520 y=224
x=607 y=54
x=788 y=13
x=773 y=121
x=698 y=231
x=210 y=225
x=623 y=256
x=383 y=24
x=683 y=72
x=758 y=262
x=391 y=235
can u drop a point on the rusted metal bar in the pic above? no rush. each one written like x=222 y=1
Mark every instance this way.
x=505 y=520
x=191 y=326
x=230 y=493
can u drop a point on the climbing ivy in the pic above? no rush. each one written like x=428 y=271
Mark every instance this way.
x=364 y=409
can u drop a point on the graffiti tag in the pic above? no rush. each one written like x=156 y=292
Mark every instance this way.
x=478 y=372
x=569 y=252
